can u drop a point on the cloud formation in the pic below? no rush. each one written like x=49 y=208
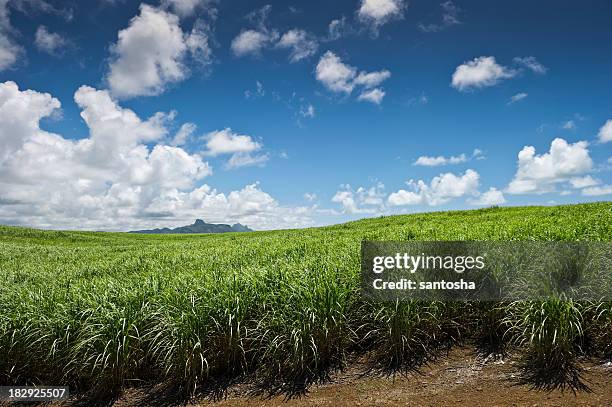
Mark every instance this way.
x=361 y=200
x=51 y=43
x=479 y=73
x=540 y=173
x=241 y=147
x=10 y=51
x=375 y=13
x=428 y=161
x=605 y=132
x=339 y=77
x=517 y=97
x=450 y=17
x=532 y=64
x=301 y=44
x=151 y=53
x=440 y=190
x=121 y=176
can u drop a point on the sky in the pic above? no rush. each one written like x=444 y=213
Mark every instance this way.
x=120 y=115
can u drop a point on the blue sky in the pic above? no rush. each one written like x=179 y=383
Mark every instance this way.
x=298 y=113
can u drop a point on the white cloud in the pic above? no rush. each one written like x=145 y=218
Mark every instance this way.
x=378 y=12
x=151 y=53
x=540 y=173
x=362 y=200
x=302 y=44
x=518 y=97
x=440 y=190
x=450 y=17
x=583 y=182
x=10 y=51
x=251 y=42
x=372 y=79
x=334 y=74
x=491 y=197
x=184 y=8
x=428 y=161
x=242 y=148
x=375 y=96
x=51 y=43
x=605 y=132
x=339 y=77
x=184 y=133
x=338 y=28
x=478 y=73
x=532 y=64
x=119 y=177
x=239 y=160
x=227 y=142
x=598 y=191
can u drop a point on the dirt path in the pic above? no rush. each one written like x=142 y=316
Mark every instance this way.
x=458 y=379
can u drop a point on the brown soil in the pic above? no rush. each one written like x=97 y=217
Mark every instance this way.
x=458 y=379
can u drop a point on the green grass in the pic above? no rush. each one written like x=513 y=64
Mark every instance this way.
x=101 y=311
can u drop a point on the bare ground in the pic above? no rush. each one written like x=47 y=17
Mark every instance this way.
x=460 y=378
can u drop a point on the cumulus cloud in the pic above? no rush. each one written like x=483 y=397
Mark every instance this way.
x=450 y=17
x=227 y=142
x=598 y=190
x=251 y=42
x=151 y=53
x=440 y=190
x=479 y=73
x=531 y=63
x=375 y=96
x=51 y=43
x=583 y=182
x=517 y=98
x=242 y=148
x=339 y=77
x=491 y=197
x=10 y=51
x=605 y=132
x=121 y=176
x=301 y=44
x=540 y=173
x=372 y=79
x=378 y=12
x=334 y=74
x=361 y=200
x=184 y=8
x=429 y=161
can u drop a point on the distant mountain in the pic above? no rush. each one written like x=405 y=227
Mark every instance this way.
x=199 y=227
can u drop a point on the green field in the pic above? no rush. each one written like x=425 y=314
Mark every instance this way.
x=101 y=311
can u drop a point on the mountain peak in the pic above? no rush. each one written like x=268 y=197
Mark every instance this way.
x=199 y=226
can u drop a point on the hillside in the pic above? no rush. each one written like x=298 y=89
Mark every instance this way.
x=283 y=308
